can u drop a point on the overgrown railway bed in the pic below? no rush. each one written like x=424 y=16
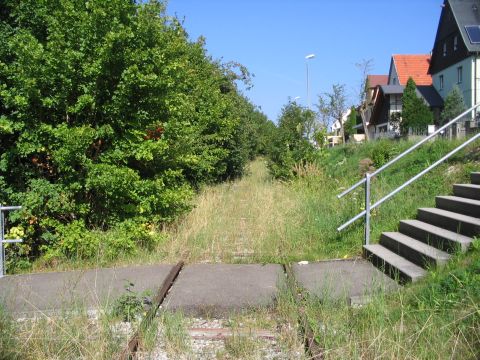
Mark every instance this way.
x=224 y=307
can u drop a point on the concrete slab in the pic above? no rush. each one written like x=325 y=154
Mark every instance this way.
x=218 y=289
x=23 y=295
x=350 y=280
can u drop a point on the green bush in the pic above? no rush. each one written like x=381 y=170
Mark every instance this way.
x=383 y=152
x=74 y=240
x=291 y=145
x=108 y=112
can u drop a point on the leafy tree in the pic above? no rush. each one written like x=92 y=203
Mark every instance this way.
x=291 y=144
x=351 y=121
x=109 y=114
x=323 y=112
x=415 y=112
x=337 y=105
x=454 y=105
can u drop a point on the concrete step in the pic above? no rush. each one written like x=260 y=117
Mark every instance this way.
x=442 y=239
x=458 y=223
x=471 y=191
x=393 y=264
x=475 y=177
x=459 y=205
x=414 y=250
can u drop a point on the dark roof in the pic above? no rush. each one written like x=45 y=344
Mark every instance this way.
x=431 y=96
x=465 y=14
x=392 y=89
x=428 y=92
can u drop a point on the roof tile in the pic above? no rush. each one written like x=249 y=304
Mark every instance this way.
x=375 y=80
x=414 y=66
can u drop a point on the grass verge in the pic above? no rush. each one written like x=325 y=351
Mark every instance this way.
x=438 y=318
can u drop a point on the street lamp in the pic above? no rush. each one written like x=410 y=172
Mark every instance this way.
x=308 y=57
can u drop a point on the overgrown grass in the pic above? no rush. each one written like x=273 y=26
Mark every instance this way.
x=71 y=336
x=258 y=219
x=438 y=318
x=312 y=234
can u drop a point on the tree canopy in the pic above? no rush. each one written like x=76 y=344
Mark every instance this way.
x=454 y=105
x=415 y=112
x=110 y=114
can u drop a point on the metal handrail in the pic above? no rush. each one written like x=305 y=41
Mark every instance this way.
x=368 y=176
x=405 y=184
x=409 y=150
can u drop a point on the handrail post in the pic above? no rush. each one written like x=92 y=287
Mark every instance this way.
x=4 y=241
x=367 y=208
x=2 y=247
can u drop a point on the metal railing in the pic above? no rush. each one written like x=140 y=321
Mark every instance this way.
x=367 y=179
x=4 y=241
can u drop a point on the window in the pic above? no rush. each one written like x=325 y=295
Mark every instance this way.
x=455 y=43
x=441 y=82
x=394 y=81
x=444 y=49
x=459 y=75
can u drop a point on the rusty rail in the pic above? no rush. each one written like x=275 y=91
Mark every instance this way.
x=312 y=347
x=133 y=343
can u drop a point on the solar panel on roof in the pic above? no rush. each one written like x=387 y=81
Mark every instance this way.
x=473 y=32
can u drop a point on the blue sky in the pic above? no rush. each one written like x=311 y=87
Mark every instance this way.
x=272 y=37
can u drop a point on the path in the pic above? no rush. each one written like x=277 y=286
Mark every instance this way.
x=242 y=221
x=200 y=289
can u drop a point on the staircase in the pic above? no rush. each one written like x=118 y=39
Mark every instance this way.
x=430 y=240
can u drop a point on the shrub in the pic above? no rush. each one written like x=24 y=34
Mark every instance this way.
x=75 y=240
x=109 y=112
x=291 y=144
x=382 y=152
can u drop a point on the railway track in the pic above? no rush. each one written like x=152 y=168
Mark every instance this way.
x=220 y=333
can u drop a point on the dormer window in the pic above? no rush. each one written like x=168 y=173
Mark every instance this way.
x=444 y=49
x=455 y=43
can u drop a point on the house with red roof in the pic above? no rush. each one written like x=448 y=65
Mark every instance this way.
x=387 y=100
x=374 y=81
x=365 y=110
x=403 y=67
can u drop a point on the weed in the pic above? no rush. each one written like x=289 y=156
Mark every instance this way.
x=130 y=304
x=243 y=346
x=174 y=332
x=71 y=335
x=9 y=344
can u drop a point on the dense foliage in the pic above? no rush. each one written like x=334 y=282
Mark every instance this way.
x=415 y=113
x=454 y=105
x=351 y=121
x=110 y=118
x=293 y=142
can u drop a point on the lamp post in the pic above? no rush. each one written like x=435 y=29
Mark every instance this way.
x=308 y=57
